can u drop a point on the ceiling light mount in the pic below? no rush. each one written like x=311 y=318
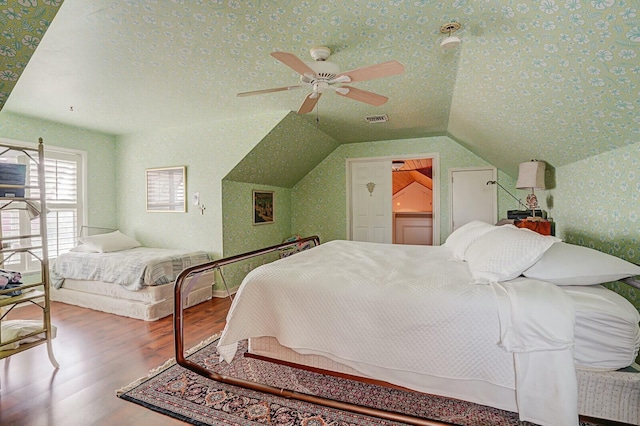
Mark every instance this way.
x=450 y=28
x=451 y=41
x=320 y=53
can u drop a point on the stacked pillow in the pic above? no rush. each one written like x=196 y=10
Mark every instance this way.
x=459 y=240
x=568 y=264
x=505 y=253
x=501 y=253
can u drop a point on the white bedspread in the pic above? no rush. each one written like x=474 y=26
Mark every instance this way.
x=537 y=325
x=392 y=307
x=133 y=269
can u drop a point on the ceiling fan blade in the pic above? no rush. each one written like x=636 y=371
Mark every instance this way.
x=293 y=62
x=260 y=92
x=374 y=71
x=363 y=96
x=309 y=103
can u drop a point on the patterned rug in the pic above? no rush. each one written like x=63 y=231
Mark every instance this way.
x=182 y=394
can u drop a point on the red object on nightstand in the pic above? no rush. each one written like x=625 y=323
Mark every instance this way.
x=543 y=227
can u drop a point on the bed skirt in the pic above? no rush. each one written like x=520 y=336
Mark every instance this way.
x=613 y=395
x=150 y=304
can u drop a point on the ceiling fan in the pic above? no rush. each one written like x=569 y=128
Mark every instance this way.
x=321 y=76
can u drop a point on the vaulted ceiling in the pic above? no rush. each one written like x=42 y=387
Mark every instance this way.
x=557 y=80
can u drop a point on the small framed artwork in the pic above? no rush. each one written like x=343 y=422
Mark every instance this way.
x=262 y=207
x=166 y=189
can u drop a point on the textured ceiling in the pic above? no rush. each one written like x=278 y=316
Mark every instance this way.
x=553 y=80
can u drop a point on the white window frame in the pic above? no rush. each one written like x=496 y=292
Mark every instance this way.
x=29 y=263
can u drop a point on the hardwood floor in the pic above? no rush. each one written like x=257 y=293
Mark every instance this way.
x=98 y=354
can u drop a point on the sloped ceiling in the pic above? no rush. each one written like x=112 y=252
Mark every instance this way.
x=557 y=80
x=285 y=155
x=23 y=24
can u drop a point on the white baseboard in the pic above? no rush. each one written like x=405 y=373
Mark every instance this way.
x=223 y=293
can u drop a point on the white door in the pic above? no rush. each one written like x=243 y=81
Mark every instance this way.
x=414 y=229
x=371 y=217
x=471 y=197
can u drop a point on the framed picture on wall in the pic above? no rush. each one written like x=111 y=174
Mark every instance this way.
x=262 y=207
x=166 y=189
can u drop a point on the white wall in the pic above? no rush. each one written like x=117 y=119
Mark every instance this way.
x=413 y=198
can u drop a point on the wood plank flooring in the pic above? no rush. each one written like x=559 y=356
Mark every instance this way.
x=98 y=353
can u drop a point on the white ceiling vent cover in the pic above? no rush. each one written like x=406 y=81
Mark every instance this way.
x=377 y=118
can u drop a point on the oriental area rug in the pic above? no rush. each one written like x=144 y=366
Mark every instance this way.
x=187 y=396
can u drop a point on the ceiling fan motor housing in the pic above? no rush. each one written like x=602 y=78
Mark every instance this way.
x=324 y=71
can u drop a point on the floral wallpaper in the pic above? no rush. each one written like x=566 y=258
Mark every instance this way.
x=241 y=236
x=597 y=204
x=319 y=200
x=100 y=151
x=555 y=80
x=285 y=155
x=209 y=152
x=23 y=24
x=548 y=79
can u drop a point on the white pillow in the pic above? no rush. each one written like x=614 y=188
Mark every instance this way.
x=460 y=239
x=503 y=254
x=568 y=264
x=105 y=243
x=83 y=248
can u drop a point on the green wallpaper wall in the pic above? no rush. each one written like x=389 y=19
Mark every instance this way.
x=285 y=155
x=209 y=151
x=597 y=204
x=240 y=235
x=318 y=202
x=101 y=158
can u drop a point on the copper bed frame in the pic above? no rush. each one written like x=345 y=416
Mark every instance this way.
x=178 y=329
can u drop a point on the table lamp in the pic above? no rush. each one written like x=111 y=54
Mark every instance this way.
x=531 y=176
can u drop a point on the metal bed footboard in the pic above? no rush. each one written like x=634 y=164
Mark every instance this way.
x=178 y=331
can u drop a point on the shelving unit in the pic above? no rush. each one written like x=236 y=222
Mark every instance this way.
x=36 y=293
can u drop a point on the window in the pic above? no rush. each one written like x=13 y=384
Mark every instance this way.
x=63 y=183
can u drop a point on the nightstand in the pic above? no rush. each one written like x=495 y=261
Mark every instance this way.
x=543 y=227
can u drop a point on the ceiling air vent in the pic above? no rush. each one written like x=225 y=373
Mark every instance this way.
x=377 y=118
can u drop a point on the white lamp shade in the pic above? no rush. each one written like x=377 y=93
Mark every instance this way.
x=531 y=175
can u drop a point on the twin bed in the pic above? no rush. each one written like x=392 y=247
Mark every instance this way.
x=111 y=272
x=499 y=316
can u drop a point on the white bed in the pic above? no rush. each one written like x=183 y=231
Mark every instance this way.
x=457 y=321
x=112 y=273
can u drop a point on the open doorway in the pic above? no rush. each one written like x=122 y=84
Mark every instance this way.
x=412 y=193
